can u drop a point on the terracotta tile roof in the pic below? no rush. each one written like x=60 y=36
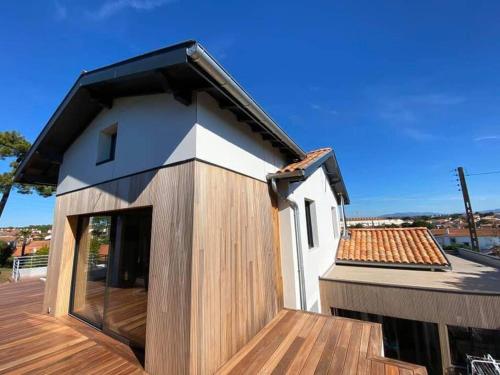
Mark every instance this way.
x=464 y=232
x=397 y=246
x=308 y=160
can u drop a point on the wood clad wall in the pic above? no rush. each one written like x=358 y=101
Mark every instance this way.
x=215 y=276
x=236 y=277
x=469 y=310
x=170 y=192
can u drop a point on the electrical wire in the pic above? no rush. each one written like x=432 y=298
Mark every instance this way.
x=482 y=173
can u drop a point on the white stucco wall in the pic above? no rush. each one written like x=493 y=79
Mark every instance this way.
x=318 y=259
x=223 y=140
x=156 y=130
x=153 y=130
x=485 y=242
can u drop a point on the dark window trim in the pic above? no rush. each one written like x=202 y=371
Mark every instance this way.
x=104 y=161
x=309 y=224
x=112 y=147
x=113 y=214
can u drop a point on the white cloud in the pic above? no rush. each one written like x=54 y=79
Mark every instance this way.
x=437 y=99
x=111 y=7
x=320 y=108
x=61 y=12
x=487 y=138
x=418 y=134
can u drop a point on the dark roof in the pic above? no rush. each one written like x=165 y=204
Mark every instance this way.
x=302 y=168
x=391 y=247
x=172 y=69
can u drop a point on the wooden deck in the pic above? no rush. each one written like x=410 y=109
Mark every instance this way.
x=306 y=343
x=34 y=343
x=292 y=343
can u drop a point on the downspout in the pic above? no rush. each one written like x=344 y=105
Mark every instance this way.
x=298 y=244
x=344 y=222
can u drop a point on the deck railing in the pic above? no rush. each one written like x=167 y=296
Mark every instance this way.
x=486 y=365
x=29 y=265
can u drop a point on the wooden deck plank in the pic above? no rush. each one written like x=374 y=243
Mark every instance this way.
x=301 y=357
x=293 y=342
x=34 y=343
x=306 y=343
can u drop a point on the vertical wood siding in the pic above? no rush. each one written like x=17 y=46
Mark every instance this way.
x=236 y=277
x=445 y=307
x=215 y=277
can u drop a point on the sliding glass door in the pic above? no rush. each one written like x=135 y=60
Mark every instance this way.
x=110 y=279
x=91 y=268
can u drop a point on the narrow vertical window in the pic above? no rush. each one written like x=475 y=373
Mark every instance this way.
x=107 y=144
x=309 y=223
x=335 y=223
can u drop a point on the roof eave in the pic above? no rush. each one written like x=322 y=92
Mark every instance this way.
x=333 y=173
x=197 y=59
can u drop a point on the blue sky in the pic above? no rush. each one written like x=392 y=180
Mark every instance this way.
x=403 y=91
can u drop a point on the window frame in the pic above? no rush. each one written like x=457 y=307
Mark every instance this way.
x=311 y=223
x=110 y=132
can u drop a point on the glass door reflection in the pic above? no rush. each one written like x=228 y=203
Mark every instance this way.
x=127 y=291
x=89 y=283
x=110 y=279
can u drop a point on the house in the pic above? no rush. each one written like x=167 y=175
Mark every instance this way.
x=435 y=308
x=374 y=221
x=488 y=237
x=186 y=220
x=32 y=246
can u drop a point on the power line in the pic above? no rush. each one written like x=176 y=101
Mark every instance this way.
x=478 y=174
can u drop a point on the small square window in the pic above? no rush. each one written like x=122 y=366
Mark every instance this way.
x=107 y=144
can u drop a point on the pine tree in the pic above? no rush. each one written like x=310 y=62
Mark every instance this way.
x=14 y=146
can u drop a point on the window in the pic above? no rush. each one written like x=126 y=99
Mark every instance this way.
x=335 y=223
x=111 y=273
x=312 y=234
x=107 y=145
x=472 y=341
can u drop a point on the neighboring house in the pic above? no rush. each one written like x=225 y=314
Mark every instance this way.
x=434 y=308
x=31 y=247
x=374 y=221
x=208 y=218
x=488 y=237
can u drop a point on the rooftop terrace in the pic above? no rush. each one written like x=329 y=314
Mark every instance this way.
x=465 y=276
x=294 y=342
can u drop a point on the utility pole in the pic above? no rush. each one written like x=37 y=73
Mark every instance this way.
x=468 y=210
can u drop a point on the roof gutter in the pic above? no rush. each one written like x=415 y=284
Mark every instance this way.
x=364 y=263
x=201 y=58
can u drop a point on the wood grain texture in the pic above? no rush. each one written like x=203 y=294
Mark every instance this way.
x=170 y=192
x=36 y=343
x=236 y=277
x=297 y=342
x=437 y=306
x=215 y=276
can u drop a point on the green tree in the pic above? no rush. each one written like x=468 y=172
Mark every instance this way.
x=14 y=146
x=23 y=235
x=6 y=251
x=44 y=250
x=422 y=223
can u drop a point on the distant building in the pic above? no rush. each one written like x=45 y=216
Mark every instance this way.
x=374 y=221
x=435 y=308
x=31 y=247
x=488 y=237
